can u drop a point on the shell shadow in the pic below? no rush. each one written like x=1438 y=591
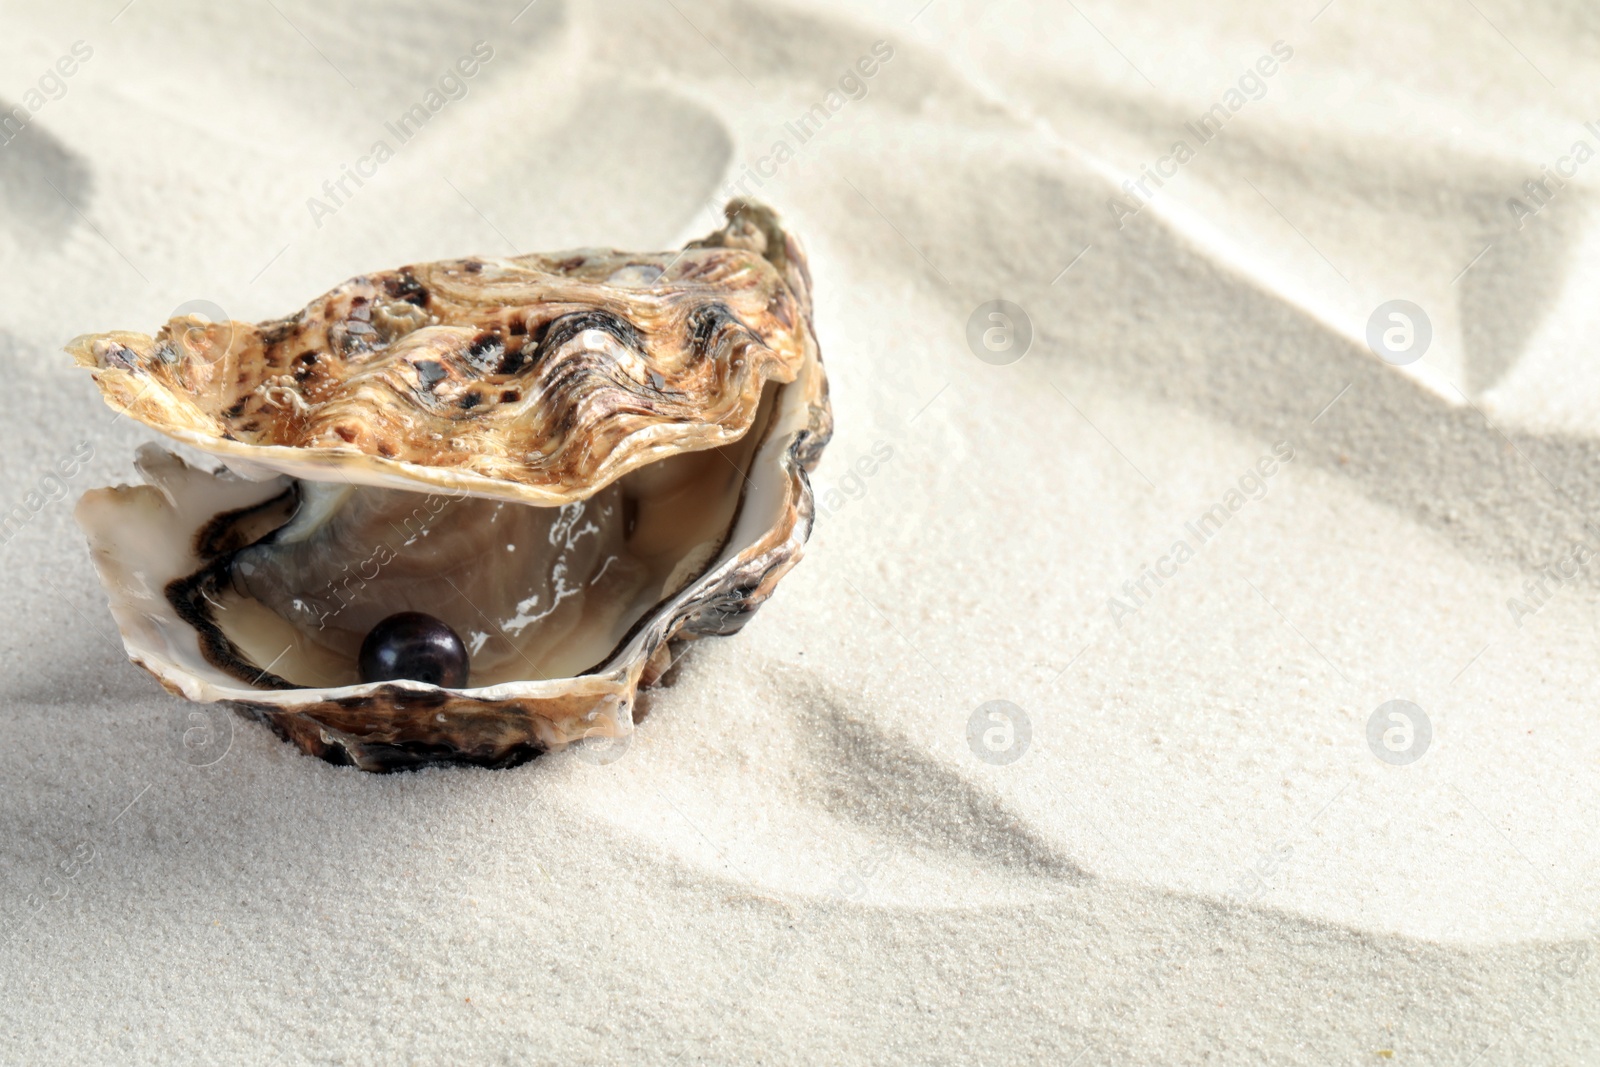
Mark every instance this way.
x=42 y=181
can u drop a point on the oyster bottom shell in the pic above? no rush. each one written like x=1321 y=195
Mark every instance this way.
x=148 y=541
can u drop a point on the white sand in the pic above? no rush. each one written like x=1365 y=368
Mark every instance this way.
x=678 y=905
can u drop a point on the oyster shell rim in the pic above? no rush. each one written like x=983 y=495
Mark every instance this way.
x=718 y=602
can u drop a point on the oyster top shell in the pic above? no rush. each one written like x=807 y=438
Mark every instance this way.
x=541 y=378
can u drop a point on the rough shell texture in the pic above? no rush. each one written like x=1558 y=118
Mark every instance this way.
x=616 y=365
x=540 y=378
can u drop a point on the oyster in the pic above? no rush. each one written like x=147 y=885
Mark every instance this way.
x=573 y=461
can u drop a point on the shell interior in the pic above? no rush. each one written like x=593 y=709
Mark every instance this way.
x=570 y=459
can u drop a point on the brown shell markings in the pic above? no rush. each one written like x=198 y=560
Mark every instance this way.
x=541 y=378
x=537 y=381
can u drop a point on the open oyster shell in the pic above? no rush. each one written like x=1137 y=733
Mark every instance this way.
x=572 y=459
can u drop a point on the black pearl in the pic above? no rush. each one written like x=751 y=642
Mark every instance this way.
x=414 y=647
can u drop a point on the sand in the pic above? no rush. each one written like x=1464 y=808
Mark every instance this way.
x=1198 y=856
